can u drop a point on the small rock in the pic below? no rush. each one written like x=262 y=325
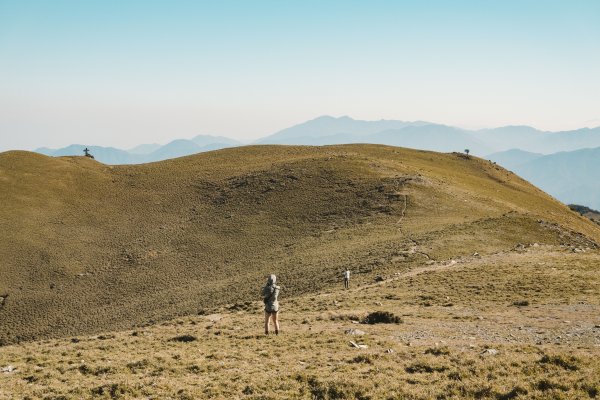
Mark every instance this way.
x=358 y=346
x=476 y=254
x=354 y=332
x=389 y=351
x=489 y=352
x=8 y=369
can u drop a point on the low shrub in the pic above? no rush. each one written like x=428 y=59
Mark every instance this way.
x=184 y=338
x=382 y=317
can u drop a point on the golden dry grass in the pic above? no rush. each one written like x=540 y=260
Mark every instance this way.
x=87 y=247
x=461 y=337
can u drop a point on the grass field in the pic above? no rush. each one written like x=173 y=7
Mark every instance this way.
x=88 y=247
x=142 y=281
x=518 y=324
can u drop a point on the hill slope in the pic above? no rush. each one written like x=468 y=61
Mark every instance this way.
x=518 y=324
x=88 y=247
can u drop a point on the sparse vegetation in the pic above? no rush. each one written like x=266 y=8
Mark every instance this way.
x=436 y=351
x=113 y=247
x=382 y=317
x=184 y=338
x=198 y=242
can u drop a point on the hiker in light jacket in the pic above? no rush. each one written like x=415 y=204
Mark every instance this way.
x=270 y=293
x=347 y=279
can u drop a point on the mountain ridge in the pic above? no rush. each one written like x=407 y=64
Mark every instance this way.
x=89 y=247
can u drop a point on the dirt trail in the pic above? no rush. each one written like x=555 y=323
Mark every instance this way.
x=411 y=273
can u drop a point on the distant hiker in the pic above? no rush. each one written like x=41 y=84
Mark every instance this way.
x=347 y=279
x=270 y=293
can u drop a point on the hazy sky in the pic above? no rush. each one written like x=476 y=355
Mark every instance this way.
x=119 y=73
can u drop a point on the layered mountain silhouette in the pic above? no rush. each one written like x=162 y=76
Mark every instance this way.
x=572 y=177
x=430 y=136
x=569 y=178
x=328 y=130
x=145 y=153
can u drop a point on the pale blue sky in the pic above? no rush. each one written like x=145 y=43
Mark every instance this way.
x=120 y=73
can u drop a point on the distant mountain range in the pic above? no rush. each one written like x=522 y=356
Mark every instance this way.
x=430 y=136
x=328 y=130
x=145 y=153
x=572 y=175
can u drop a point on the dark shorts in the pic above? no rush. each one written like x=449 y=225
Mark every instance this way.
x=271 y=312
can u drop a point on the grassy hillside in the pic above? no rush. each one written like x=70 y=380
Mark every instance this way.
x=87 y=247
x=523 y=323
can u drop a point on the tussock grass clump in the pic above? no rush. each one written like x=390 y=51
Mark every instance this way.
x=514 y=393
x=194 y=369
x=344 y=317
x=362 y=359
x=592 y=390
x=138 y=366
x=95 y=371
x=545 y=385
x=568 y=363
x=382 y=317
x=521 y=303
x=438 y=351
x=113 y=391
x=421 y=367
x=184 y=338
x=333 y=390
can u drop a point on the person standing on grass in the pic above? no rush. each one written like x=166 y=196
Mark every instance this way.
x=270 y=293
x=347 y=279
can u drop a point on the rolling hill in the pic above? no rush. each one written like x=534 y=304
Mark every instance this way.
x=88 y=247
